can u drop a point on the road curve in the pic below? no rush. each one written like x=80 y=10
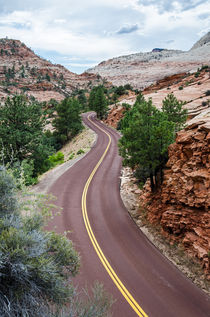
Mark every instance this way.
x=113 y=250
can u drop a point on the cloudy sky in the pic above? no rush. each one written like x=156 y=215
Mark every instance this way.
x=81 y=33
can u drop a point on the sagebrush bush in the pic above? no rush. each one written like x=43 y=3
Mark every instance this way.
x=35 y=265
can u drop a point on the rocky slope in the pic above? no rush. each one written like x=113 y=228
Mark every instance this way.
x=181 y=208
x=143 y=69
x=191 y=88
x=21 y=70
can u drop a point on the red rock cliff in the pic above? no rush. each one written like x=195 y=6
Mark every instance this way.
x=181 y=206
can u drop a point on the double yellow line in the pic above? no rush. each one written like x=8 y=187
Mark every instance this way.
x=139 y=311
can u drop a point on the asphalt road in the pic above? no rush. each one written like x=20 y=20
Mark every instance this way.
x=113 y=250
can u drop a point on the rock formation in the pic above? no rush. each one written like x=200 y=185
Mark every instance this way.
x=182 y=205
x=21 y=70
x=143 y=69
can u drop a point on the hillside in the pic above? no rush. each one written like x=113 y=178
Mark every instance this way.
x=143 y=69
x=21 y=70
x=181 y=205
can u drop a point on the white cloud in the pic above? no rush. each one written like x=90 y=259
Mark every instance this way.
x=91 y=30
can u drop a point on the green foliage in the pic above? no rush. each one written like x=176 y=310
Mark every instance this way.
x=147 y=134
x=129 y=114
x=128 y=87
x=180 y=87
x=20 y=127
x=68 y=122
x=56 y=159
x=207 y=93
x=80 y=152
x=120 y=90
x=52 y=161
x=47 y=76
x=82 y=100
x=97 y=102
x=204 y=67
x=36 y=265
x=173 y=108
x=24 y=173
x=21 y=132
x=71 y=156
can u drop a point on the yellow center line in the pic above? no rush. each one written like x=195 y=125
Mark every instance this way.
x=139 y=311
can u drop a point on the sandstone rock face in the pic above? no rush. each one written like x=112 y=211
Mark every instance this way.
x=182 y=206
x=143 y=69
x=21 y=70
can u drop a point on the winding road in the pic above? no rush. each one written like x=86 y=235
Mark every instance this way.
x=113 y=250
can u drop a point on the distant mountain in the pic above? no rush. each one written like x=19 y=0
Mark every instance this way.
x=143 y=69
x=21 y=70
x=205 y=40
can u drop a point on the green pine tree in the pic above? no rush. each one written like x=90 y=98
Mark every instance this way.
x=98 y=102
x=173 y=108
x=21 y=128
x=68 y=122
x=146 y=136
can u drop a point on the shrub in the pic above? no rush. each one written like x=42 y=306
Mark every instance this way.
x=23 y=173
x=197 y=74
x=71 y=156
x=207 y=93
x=128 y=87
x=80 y=152
x=56 y=159
x=35 y=265
x=204 y=67
x=180 y=87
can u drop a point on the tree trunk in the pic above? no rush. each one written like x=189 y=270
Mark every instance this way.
x=152 y=183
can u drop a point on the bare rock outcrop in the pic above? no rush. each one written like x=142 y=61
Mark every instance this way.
x=182 y=205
